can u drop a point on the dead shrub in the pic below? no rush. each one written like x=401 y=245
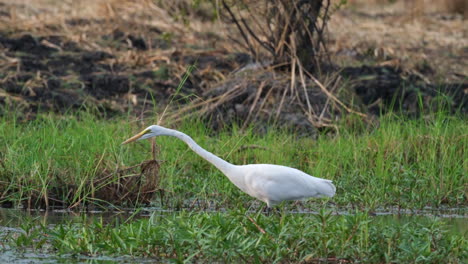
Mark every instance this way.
x=281 y=30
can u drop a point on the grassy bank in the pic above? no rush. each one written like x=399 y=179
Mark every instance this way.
x=400 y=163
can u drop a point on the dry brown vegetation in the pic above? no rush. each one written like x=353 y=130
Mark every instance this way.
x=119 y=55
x=394 y=34
x=420 y=7
x=129 y=186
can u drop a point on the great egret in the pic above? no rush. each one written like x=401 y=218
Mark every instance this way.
x=269 y=183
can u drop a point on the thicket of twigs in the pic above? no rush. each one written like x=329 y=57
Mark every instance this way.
x=287 y=44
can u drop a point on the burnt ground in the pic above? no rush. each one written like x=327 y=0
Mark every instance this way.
x=120 y=60
x=50 y=73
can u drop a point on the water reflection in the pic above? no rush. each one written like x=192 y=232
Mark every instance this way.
x=453 y=224
x=13 y=218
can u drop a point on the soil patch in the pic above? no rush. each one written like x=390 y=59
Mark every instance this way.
x=117 y=64
x=42 y=77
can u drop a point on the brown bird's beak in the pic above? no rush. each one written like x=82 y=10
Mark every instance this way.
x=135 y=137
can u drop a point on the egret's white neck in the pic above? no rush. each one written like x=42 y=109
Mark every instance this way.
x=219 y=163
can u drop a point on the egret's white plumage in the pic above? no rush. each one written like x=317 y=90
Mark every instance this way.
x=269 y=183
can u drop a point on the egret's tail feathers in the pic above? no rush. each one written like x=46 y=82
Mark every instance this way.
x=327 y=188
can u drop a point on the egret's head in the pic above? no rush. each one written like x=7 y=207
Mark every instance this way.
x=149 y=132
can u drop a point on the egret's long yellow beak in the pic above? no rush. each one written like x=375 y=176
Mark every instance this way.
x=135 y=137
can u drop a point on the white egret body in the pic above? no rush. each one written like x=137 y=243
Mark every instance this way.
x=269 y=183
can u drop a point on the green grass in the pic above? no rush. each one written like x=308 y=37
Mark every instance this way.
x=400 y=163
x=232 y=237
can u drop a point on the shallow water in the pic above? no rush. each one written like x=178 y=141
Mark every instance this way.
x=11 y=220
x=12 y=256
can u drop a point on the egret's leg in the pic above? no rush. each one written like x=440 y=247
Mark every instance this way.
x=271 y=210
